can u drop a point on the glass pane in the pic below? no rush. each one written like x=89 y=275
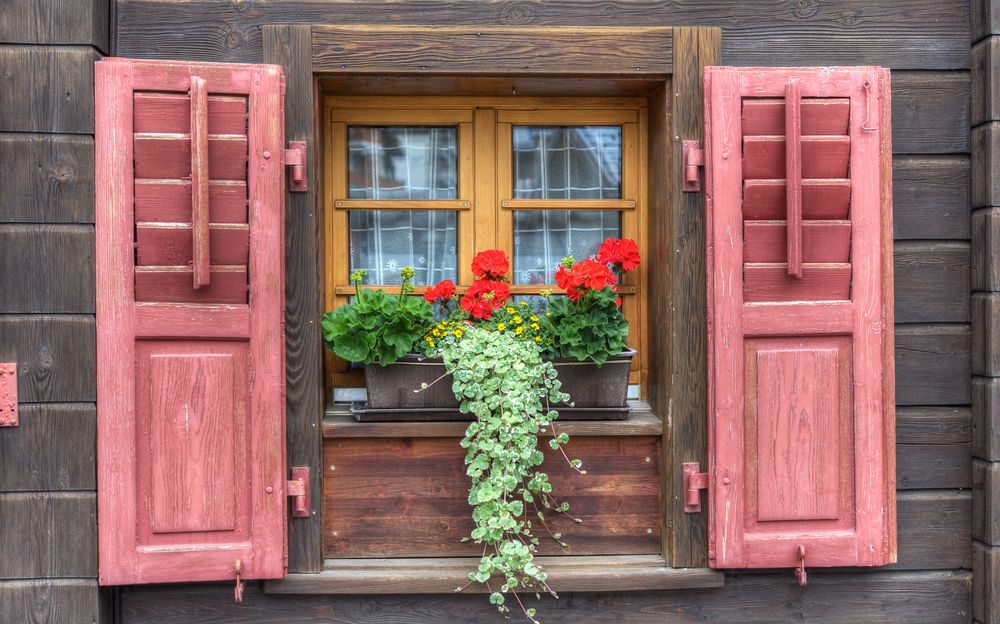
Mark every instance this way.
x=544 y=237
x=567 y=162
x=402 y=162
x=384 y=241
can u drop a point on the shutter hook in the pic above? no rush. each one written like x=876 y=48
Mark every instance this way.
x=868 y=107
x=238 y=593
x=800 y=572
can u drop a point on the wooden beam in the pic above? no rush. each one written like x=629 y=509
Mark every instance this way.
x=932 y=365
x=930 y=197
x=55 y=356
x=61 y=22
x=44 y=601
x=289 y=46
x=60 y=262
x=932 y=282
x=48 y=534
x=985 y=426
x=48 y=89
x=48 y=178
x=51 y=450
x=493 y=49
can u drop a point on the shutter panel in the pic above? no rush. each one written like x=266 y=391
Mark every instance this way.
x=191 y=473
x=801 y=396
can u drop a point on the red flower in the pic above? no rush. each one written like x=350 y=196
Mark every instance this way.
x=442 y=291
x=484 y=297
x=491 y=264
x=622 y=252
x=585 y=275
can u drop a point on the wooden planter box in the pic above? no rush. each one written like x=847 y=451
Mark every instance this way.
x=598 y=392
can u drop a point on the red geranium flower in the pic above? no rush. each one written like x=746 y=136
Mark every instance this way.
x=621 y=252
x=491 y=264
x=585 y=275
x=441 y=291
x=484 y=297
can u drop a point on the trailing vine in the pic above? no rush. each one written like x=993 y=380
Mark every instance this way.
x=508 y=387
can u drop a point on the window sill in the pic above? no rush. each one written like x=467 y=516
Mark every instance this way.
x=445 y=575
x=338 y=423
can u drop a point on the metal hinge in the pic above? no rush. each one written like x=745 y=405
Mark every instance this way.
x=694 y=157
x=694 y=482
x=298 y=490
x=295 y=160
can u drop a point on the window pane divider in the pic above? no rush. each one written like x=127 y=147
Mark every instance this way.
x=402 y=204
x=568 y=204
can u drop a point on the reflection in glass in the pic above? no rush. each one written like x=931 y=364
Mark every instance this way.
x=402 y=162
x=567 y=162
x=544 y=237
x=384 y=241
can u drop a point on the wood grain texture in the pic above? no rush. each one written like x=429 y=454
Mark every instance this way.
x=48 y=89
x=60 y=262
x=408 y=497
x=986 y=165
x=874 y=598
x=48 y=534
x=51 y=450
x=986 y=502
x=985 y=91
x=47 y=179
x=54 y=355
x=850 y=32
x=930 y=112
x=985 y=259
x=930 y=197
x=932 y=448
x=931 y=282
x=986 y=334
x=934 y=530
x=984 y=424
x=492 y=49
x=289 y=47
x=985 y=18
x=62 y=22
x=985 y=579
x=50 y=601
x=932 y=365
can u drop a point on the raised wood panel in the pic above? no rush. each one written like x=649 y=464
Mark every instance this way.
x=986 y=249
x=985 y=425
x=51 y=449
x=850 y=32
x=934 y=530
x=986 y=502
x=48 y=534
x=933 y=365
x=406 y=49
x=832 y=598
x=60 y=262
x=985 y=583
x=50 y=601
x=55 y=356
x=932 y=282
x=985 y=18
x=930 y=197
x=985 y=165
x=986 y=334
x=47 y=89
x=408 y=497
x=59 y=22
x=985 y=88
x=930 y=112
x=47 y=178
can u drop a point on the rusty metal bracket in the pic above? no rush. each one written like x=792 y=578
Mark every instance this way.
x=694 y=482
x=8 y=395
x=298 y=490
x=694 y=158
x=296 y=160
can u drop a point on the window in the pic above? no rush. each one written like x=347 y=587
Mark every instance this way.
x=430 y=181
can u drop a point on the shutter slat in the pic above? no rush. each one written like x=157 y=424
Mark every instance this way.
x=799 y=423
x=169 y=201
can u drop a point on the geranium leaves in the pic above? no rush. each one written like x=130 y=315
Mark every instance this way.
x=592 y=328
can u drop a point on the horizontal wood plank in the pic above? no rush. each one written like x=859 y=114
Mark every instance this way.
x=985 y=428
x=832 y=598
x=492 y=49
x=930 y=112
x=50 y=601
x=850 y=32
x=444 y=575
x=933 y=425
x=986 y=502
x=985 y=259
x=47 y=89
x=169 y=201
x=48 y=534
x=986 y=165
x=55 y=356
x=171 y=113
x=930 y=197
x=931 y=282
x=47 y=178
x=47 y=268
x=934 y=530
x=62 y=22
x=933 y=466
x=932 y=365
x=986 y=334
x=986 y=582
x=53 y=448
x=985 y=18
x=985 y=89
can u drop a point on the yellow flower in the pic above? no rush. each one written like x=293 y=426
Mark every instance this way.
x=501 y=327
x=436 y=331
x=518 y=320
x=430 y=342
x=538 y=338
x=535 y=326
x=533 y=317
x=548 y=314
x=519 y=331
x=523 y=303
x=510 y=310
x=458 y=334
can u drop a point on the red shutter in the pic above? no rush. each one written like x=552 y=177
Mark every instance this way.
x=190 y=294
x=801 y=392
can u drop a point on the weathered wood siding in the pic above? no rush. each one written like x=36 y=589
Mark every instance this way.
x=48 y=510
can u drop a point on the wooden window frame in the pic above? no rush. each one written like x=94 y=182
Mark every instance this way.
x=484 y=204
x=674 y=57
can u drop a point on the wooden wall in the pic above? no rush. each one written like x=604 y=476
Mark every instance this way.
x=47 y=326
x=48 y=534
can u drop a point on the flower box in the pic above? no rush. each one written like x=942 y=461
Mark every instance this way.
x=598 y=392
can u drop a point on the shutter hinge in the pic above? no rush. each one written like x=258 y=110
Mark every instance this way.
x=295 y=160
x=694 y=157
x=298 y=490
x=694 y=483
